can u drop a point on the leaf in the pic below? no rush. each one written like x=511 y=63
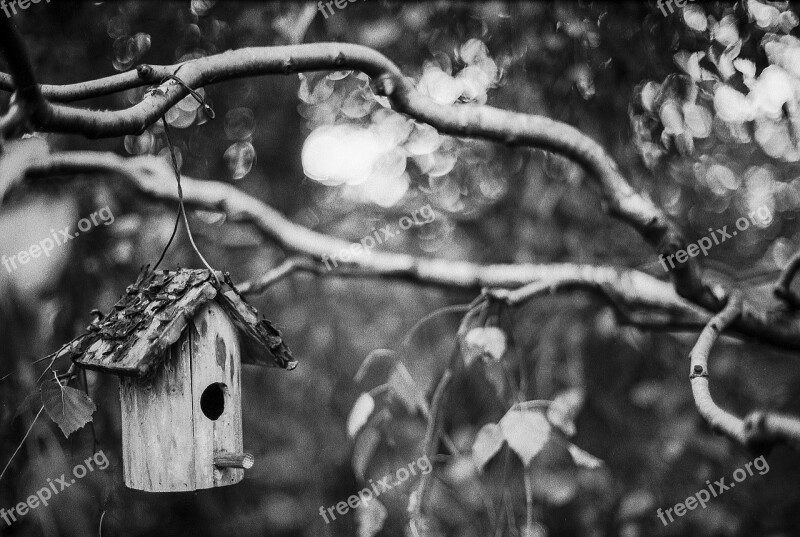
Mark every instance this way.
x=671 y=117
x=745 y=66
x=726 y=31
x=698 y=120
x=765 y=16
x=535 y=529
x=405 y=389
x=371 y=516
x=583 y=458
x=564 y=408
x=732 y=105
x=487 y=443
x=650 y=94
x=695 y=18
x=689 y=63
x=69 y=408
x=526 y=431
x=376 y=368
x=359 y=414
x=365 y=446
x=484 y=342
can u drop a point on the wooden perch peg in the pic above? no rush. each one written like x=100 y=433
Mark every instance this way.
x=224 y=459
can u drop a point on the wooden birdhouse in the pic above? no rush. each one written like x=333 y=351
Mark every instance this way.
x=178 y=340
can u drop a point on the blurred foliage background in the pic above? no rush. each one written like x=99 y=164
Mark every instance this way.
x=699 y=107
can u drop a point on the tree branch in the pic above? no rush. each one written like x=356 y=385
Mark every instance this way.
x=25 y=87
x=430 y=443
x=769 y=428
x=639 y=297
x=644 y=299
x=459 y=120
x=783 y=285
x=759 y=428
x=286 y=268
x=718 y=419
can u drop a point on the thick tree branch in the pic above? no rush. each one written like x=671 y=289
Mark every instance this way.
x=228 y=65
x=643 y=299
x=151 y=176
x=629 y=291
x=461 y=120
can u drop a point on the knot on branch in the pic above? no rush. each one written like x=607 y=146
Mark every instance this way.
x=288 y=67
x=784 y=294
x=754 y=425
x=145 y=72
x=384 y=85
x=757 y=436
x=698 y=371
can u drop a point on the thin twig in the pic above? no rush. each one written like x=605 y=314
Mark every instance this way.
x=100 y=527
x=528 y=501
x=84 y=376
x=28 y=432
x=456 y=308
x=435 y=426
x=431 y=437
x=717 y=418
x=287 y=267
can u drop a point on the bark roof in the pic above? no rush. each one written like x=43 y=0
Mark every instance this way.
x=132 y=339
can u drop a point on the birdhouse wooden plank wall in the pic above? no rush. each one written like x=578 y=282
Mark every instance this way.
x=202 y=372
x=178 y=341
x=216 y=373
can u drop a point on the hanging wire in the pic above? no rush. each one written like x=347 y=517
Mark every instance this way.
x=174 y=160
x=169 y=242
x=197 y=97
x=182 y=208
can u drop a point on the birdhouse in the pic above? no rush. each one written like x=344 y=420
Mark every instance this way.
x=178 y=340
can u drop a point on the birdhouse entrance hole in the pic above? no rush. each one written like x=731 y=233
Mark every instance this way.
x=212 y=402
